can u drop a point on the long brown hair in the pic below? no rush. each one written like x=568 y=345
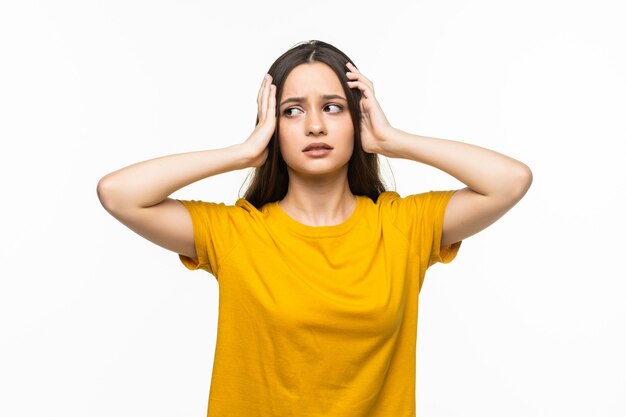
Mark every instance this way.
x=271 y=180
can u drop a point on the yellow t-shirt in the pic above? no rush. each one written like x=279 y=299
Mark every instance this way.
x=318 y=320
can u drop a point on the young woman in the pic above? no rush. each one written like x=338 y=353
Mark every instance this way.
x=319 y=268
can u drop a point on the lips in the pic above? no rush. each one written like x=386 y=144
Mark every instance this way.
x=317 y=145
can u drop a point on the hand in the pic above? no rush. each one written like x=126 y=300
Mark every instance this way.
x=256 y=144
x=375 y=129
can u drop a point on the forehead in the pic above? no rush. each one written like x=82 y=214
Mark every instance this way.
x=311 y=79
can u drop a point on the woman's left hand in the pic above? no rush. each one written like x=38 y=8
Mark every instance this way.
x=375 y=129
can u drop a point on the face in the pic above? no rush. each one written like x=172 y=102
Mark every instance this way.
x=313 y=108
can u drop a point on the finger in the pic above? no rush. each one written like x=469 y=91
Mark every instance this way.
x=271 y=104
x=365 y=89
x=351 y=67
x=354 y=69
x=360 y=77
x=267 y=80
x=258 y=97
x=265 y=98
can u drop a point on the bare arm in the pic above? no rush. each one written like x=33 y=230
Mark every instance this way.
x=138 y=195
x=495 y=182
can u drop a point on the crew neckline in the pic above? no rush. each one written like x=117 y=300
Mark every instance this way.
x=320 y=231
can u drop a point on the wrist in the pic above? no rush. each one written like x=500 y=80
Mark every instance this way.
x=243 y=156
x=388 y=142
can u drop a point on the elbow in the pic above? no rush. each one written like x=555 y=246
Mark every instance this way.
x=523 y=181
x=527 y=177
x=106 y=193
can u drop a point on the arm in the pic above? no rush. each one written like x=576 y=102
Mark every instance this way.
x=137 y=195
x=495 y=182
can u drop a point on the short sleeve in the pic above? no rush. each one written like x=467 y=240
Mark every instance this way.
x=421 y=217
x=215 y=234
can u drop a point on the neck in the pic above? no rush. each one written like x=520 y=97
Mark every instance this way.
x=320 y=201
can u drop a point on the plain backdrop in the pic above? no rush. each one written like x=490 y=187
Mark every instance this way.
x=528 y=320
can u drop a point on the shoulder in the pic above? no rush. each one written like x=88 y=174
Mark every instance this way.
x=393 y=200
x=392 y=197
x=240 y=210
x=413 y=205
x=387 y=198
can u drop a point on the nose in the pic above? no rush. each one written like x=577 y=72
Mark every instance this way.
x=315 y=124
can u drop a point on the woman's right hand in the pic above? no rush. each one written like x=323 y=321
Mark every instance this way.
x=256 y=144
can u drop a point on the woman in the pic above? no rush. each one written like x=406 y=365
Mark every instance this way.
x=319 y=268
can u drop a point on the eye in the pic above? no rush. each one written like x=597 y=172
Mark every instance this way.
x=335 y=105
x=286 y=112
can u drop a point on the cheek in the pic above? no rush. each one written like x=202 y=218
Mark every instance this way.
x=282 y=133
x=345 y=124
x=286 y=143
x=347 y=132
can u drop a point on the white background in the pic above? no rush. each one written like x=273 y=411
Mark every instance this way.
x=528 y=320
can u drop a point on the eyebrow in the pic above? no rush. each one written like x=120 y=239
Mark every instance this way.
x=301 y=99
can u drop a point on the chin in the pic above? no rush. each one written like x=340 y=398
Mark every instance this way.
x=318 y=169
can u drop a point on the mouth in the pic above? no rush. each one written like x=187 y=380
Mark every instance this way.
x=317 y=146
